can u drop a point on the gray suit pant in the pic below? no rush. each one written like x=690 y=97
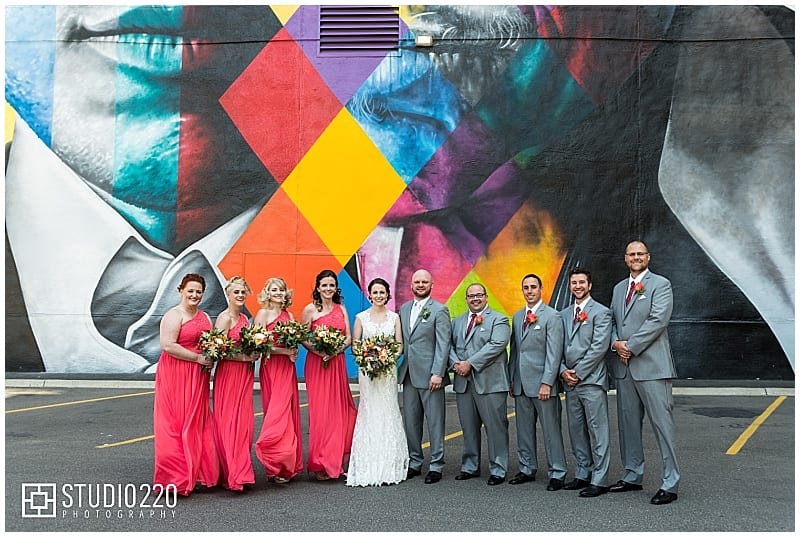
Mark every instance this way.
x=489 y=410
x=548 y=413
x=587 y=418
x=419 y=405
x=634 y=398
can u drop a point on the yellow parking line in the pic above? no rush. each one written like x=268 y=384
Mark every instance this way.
x=150 y=437
x=459 y=433
x=750 y=431
x=76 y=402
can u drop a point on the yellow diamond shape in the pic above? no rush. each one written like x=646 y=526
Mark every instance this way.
x=343 y=186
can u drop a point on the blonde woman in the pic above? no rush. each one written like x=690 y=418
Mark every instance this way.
x=279 y=446
x=233 y=396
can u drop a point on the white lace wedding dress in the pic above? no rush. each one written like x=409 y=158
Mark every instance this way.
x=379 y=454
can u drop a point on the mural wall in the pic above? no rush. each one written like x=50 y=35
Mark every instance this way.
x=154 y=141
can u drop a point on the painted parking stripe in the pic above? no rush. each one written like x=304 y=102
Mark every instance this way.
x=68 y=403
x=750 y=431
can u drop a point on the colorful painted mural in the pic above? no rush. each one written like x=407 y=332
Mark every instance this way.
x=153 y=141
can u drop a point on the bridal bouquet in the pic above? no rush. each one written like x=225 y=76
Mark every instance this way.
x=290 y=334
x=327 y=340
x=377 y=355
x=255 y=339
x=216 y=345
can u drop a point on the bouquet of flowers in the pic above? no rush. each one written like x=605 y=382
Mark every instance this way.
x=377 y=355
x=254 y=339
x=290 y=334
x=327 y=340
x=216 y=345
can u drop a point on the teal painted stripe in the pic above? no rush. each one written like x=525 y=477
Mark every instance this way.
x=147 y=130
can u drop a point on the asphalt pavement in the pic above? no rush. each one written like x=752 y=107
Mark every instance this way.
x=81 y=459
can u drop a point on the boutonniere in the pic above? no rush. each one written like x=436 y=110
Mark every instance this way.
x=582 y=317
x=479 y=320
x=530 y=318
x=425 y=313
x=638 y=288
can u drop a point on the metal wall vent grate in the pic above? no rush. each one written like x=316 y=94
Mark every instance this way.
x=358 y=30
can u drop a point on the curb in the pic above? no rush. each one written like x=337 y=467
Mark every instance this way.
x=150 y=384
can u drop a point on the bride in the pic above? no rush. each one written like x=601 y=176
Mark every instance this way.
x=379 y=454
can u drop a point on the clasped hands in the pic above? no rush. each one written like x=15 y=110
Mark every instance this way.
x=621 y=346
x=435 y=383
x=462 y=367
x=570 y=377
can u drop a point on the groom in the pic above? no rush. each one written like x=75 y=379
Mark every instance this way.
x=426 y=344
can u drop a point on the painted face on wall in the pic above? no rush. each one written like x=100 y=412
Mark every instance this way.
x=127 y=97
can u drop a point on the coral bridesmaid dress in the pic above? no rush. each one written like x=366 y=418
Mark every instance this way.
x=233 y=417
x=185 y=452
x=280 y=446
x=331 y=411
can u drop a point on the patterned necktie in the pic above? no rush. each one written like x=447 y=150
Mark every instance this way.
x=471 y=323
x=630 y=293
x=577 y=317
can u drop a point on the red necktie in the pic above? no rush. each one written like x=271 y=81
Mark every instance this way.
x=471 y=323
x=577 y=314
x=630 y=293
x=526 y=324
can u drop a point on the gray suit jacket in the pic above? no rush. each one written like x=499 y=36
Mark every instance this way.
x=426 y=345
x=643 y=323
x=586 y=344
x=535 y=356
x=485 y=349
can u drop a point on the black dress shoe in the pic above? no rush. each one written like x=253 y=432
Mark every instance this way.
x=433 y=477
x=412 y=472
x=465 y=475
x=555 y=484
x=624 y=486
x=592 y=490
x=663 y=497
x=521 y=478
x=576 y=484
x=495 y=480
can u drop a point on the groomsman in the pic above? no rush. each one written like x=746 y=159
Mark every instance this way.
x=423 y=374
x=537 y=342
x=643 y=370
x=479 y=358
x=587 y=335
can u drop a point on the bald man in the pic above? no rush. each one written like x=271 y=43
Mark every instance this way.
x=426 y=345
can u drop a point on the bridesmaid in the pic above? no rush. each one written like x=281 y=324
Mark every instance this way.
x=331 y=411
x=185 y=452
x=233 y=396
x=279 y=446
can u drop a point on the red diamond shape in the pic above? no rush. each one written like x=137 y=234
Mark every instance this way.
x=280 y=104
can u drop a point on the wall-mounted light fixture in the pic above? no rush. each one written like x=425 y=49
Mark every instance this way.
x=423 y=40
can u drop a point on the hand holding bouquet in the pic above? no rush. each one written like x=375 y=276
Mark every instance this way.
x=327 y=342
x=255 y=340
x=377 y=355
x=290 y=334
x=216 y=345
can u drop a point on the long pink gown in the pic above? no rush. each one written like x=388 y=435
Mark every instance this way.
x=185 y=452
x=233 y=417
x=280 y=445
x=331 y=411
